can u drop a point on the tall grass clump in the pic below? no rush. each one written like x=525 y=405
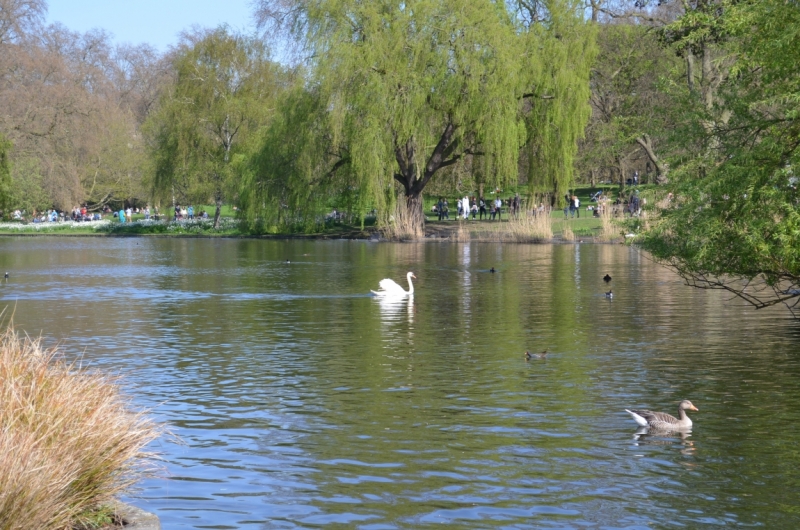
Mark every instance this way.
x=526 y=227
x=462 y=234
x=566 y=233
x=70 y=441
x=608 y=228
x=403 y=225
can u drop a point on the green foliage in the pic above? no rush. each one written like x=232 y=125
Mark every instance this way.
x=286 y=175
x=95 y=518
x=5 y=176
x=28 y=192
x=633 y=98
x=737 y=211
x=558 y=57
x=221 y=94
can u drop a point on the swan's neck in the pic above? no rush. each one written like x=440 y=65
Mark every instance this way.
x=410 y=285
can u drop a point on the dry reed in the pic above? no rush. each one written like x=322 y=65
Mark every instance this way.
x=70 y=440
x=462 y=235
x=607 y=231
x=405 y=224
x=526 y=227
x=566 y=232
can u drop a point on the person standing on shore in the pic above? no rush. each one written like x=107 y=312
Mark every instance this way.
x=482 y=208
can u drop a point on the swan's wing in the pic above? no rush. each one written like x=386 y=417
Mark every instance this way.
x=391 y=286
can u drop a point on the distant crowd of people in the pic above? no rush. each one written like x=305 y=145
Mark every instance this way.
x=82 y=213
x=478 y=207
x=55 y=216
x=188 y=213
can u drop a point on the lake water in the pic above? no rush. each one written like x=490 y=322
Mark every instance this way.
x=301 y=401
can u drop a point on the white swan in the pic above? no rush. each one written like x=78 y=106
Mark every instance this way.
x=391 y=287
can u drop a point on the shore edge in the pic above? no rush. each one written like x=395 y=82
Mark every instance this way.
x=137 y=518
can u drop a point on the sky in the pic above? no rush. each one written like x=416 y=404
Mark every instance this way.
x=155 y=22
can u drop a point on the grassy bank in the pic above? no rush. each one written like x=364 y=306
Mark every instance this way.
x=70 y=442
x=584 y=227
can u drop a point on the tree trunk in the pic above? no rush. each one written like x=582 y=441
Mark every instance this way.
x=414 y=179
x=218 y=211
x=416 y=215
x=661 y=168
x=595 y=5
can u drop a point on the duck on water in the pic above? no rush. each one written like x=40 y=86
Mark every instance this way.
x=662 y=420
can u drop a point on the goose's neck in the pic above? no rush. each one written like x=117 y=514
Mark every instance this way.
x=682 y=414
x=410 y=285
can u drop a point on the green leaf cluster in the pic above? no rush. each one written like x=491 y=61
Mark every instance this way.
x=736 y=214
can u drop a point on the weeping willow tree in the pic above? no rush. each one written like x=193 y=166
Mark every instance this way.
x=560 y=51
x=221 y=93
x=400 y=91
x=290 y=175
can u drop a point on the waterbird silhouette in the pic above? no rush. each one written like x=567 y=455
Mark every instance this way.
x=529 y=355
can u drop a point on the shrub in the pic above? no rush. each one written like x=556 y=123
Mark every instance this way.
x=70 y=440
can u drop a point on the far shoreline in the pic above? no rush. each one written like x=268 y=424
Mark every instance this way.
x=449 y=235
x=589 y=229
